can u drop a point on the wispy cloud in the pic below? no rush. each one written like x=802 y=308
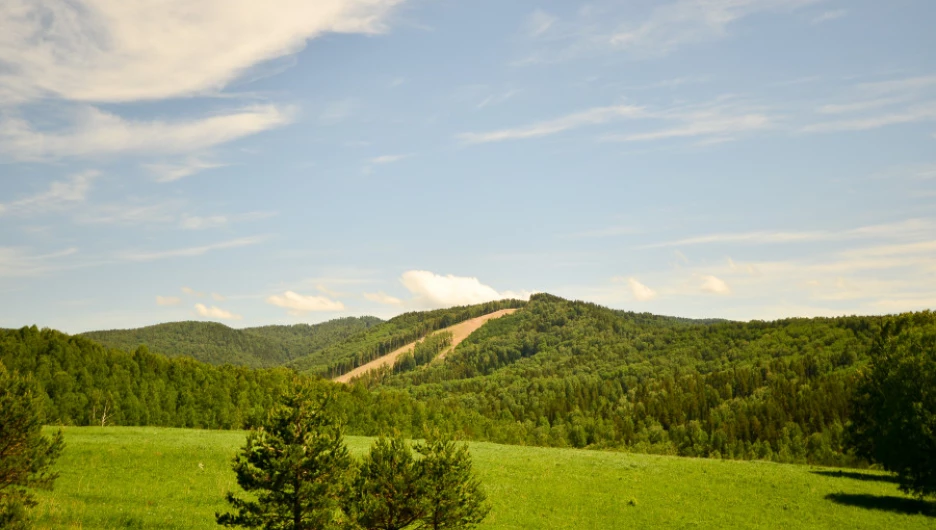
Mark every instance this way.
x=497 y=99
x=710 y=122
x=194 y=222
x=666 y=28
x=384 y=298
x=908 y=228
x=19 y=262
x=593 y=116
x=95 y=132
x=714 y=285
x=172 y=172
x=105 y=51
x=871 y=105
x=60 y=194
x=539 y=22
x=191 y=251
x=641 y=292
x=828 y=16
x=168 y=300
x=389 y=159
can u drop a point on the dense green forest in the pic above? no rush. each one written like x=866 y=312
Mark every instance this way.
x=85 y=383
x=215 y=343
x=382 y=339
x=556 y=373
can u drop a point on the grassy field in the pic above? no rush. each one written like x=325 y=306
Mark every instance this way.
x=173 y=478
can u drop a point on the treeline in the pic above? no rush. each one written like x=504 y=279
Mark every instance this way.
x=577 y=374
x=84 y=383
x=395 y=333
x=215 y=343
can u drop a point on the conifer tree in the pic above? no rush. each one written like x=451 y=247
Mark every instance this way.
x=295 y=465
x=26 y=456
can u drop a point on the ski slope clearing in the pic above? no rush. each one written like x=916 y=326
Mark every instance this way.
x=459 y=331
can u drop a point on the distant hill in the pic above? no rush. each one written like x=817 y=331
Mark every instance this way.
x=217 y=344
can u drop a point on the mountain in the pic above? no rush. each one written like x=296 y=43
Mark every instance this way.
x=218 y=344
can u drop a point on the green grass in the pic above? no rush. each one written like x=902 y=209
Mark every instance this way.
x=174 y=478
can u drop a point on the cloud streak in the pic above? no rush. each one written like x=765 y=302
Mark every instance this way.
x=593 y=116
x=191 y=251
x=95 y=132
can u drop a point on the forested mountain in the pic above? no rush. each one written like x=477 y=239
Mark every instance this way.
x=215 y=343
x=579 y=374
x=382 y=339
x=555 y=372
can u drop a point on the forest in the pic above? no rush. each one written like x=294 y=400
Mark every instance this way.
x=555 y=373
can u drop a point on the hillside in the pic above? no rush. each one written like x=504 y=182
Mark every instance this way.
x=459 y=333
x=382 y=339
x=216 y=343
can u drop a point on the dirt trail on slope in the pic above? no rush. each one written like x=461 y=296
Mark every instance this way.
x=459 y=331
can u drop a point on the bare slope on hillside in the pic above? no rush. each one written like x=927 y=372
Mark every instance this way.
x=459 y=331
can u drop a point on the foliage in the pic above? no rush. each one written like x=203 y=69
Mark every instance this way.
x=453 y=496
x=218 y=344
x=424 y=352
x=82 y=383
x=295 y=465
x=393 y=491
x=26 y=456
x=388 y=488
x=894 y=422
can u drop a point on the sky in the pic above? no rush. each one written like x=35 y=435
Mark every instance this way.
x=291 y=161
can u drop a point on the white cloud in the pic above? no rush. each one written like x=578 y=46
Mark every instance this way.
x=894 y=102
x=191 y=251
x=218 y=297
x=593 y=116
x=496 y=99
x=113 y=50
x=62 y=193
x=174 y=172
x=194 y=222
x=299 y=304
x=383 y=298
x=433 y=290
x=714 y=285
x=640 y=291
x=829 y=16
x=192 y=292
x=168 y=300
x=95 y=132
x=215 y=312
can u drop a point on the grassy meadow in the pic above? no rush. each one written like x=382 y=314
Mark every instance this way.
x=126 y=477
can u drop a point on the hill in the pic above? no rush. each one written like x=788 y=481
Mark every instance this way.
x=179 y=478
x=216 y=343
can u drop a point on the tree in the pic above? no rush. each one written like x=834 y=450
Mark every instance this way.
x=894 y=421
x=296 y=464
x=26 y=456
x=453 y=496
x=393 y=490
x=388 y=489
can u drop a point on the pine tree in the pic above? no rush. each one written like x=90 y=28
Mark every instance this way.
x=295 y=464
x=453 y=495
x=26 y=456
x=388 y=489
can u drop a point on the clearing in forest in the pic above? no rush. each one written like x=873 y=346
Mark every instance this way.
x=459 y=332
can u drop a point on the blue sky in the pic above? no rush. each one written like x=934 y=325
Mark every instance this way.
x=253 y=163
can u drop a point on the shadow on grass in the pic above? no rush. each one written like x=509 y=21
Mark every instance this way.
x=884 y=502
x=855 y=475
